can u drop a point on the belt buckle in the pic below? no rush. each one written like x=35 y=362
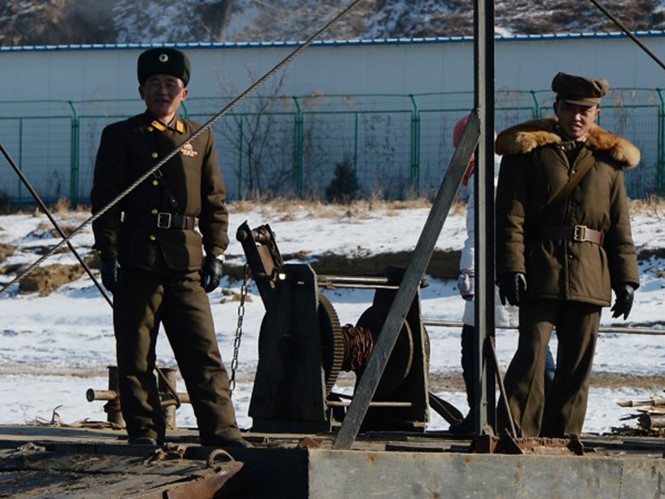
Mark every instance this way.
x=164 y=220
x=579 y=233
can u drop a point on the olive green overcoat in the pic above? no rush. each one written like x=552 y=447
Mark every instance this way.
x=128 y=149
x=533 y=169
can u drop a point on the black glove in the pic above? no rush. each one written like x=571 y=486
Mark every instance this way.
x=211 y=273
x=624 y=300
x=109 y=272
x=512 y=287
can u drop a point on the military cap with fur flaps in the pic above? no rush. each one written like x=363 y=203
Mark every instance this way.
x=525 y=137
x=164 y=61
x=579 y=89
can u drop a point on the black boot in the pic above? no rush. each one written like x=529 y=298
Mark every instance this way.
x=464 y=427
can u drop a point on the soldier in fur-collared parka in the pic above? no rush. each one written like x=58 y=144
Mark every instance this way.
x=563 y=243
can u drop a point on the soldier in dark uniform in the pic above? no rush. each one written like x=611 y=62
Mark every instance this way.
x=563 y=243
x=151 y=245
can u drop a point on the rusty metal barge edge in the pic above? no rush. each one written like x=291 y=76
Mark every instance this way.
x=378 y=465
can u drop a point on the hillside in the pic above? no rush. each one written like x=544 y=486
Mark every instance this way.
x=60 y=22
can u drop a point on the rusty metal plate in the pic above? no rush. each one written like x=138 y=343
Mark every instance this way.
x=43 y=473
x=538 y=446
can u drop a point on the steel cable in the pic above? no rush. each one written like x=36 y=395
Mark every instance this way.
x=55 y=224
x=628 y=33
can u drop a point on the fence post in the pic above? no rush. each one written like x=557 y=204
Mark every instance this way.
x=241 y=138
x=536 y=104
x=20 y=157
x=415 y=147
x=660 y=160
x=75 y=158
x=356 y=138
x=298 y=148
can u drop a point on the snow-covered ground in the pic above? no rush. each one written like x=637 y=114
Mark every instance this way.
x=53 y=348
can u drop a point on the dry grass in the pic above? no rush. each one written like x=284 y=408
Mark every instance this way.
x=292 y=208
x=289 y=209
x=653 y=205
x=286 y=209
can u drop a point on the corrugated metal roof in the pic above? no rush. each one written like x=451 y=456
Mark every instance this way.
x=326 y=43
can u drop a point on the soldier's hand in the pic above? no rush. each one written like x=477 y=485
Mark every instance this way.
x=625 y=294
x=512 y=287
x=211 y=273
x=465 y=284
x=109 y=273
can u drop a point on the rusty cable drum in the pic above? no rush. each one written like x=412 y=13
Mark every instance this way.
x=401 y=358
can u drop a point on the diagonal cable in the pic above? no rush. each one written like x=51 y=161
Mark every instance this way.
x=630 y=35
x=283 y=63
x=55 y=224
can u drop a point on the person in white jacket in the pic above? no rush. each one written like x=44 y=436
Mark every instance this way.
x=506 y=316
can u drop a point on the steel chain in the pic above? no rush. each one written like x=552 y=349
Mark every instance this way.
x=238 y=337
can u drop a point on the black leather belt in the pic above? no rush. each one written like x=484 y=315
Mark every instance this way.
x=579 y=233
x=161 y=220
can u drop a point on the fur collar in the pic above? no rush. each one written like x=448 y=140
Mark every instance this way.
x=527 y=136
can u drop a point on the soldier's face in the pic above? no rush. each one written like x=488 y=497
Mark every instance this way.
x=163 y=95
x=576 y=120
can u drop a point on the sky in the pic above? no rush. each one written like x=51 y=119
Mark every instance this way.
x=54 y=348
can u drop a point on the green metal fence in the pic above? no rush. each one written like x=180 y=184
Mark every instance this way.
x=399 y=145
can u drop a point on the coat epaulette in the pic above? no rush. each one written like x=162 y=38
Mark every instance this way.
x=527 y=136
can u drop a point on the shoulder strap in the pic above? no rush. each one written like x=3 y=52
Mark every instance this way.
x=572 y=183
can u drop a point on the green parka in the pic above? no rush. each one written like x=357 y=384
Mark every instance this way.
x=534 y=168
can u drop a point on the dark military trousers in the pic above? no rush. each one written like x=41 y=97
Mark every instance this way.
x=562 y=414
x=143 y=300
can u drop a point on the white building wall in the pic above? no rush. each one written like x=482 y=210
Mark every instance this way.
x=404 y=67
x=530 y=65
x=39 y=127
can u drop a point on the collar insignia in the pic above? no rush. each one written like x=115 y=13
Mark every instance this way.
x=158 y=125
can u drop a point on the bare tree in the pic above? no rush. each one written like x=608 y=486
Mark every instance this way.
x=255 y=133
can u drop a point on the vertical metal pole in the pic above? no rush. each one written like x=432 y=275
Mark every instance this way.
x=484 y=372
x=20 y=158
x=74 y=157
x=415 y=148
x=240 y=153
x=660 y=162
x=298 y=148
x=356 y=127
